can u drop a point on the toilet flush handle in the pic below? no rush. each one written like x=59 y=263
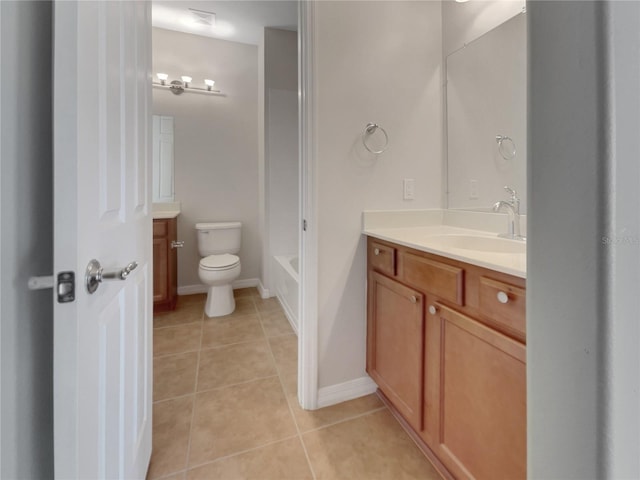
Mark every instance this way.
x=176 y=244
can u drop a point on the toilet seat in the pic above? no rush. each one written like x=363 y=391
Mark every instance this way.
x=225 y=261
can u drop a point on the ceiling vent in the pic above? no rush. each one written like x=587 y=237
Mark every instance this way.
x=202 y=17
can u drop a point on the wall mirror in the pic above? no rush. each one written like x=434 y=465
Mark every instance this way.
x=162 y=159
x=486 y=118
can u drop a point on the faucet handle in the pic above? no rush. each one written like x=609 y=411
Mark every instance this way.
x=511 y=191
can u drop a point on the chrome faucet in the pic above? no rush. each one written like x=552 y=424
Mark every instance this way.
x=513 y=211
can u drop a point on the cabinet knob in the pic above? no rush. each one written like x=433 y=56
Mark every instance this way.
x=175 y=244
x=376 y=251
x=433 y=309
x=502 y=297
x=414 y=299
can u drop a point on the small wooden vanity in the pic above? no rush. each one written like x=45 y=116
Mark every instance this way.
x=165 y=264
x=446 y=346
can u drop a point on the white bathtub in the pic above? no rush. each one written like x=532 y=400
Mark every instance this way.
x=285 y=270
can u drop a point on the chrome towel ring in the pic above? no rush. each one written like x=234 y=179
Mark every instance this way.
x=506 y=147
x=369 y=130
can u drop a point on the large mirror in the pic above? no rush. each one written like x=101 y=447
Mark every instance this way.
x=162 y=159
x=486 y=118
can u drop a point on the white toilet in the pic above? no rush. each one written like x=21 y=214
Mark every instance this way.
x=217 y=242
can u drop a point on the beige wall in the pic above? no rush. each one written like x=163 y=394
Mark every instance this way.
x=216 y=141
x=375 y=62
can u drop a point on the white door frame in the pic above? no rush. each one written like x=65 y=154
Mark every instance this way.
x=308 y=240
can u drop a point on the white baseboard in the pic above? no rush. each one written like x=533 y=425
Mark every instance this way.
x=246 y=283
x=289 y=314
x=192 y=289
x=264 y=292
x=342 y=392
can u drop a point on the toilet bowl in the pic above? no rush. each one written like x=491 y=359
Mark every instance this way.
x=217 y=242
x=218 y=272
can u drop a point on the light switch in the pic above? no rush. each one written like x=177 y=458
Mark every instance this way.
x=409 y=188
x=473 y=189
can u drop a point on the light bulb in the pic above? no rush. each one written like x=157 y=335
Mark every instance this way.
x=162 y=77
x=186 y=79
x=209 y=83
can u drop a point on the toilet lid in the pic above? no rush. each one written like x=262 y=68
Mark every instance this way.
x=219 y=262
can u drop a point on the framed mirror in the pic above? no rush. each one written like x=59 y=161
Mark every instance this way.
x=486 y=118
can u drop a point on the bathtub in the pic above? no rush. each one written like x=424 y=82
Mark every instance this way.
x=286 y=279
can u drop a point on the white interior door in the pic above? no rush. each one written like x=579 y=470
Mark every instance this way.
x=102 y=341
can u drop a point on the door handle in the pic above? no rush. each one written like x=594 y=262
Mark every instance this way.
x=95 y=274
x=176 y=244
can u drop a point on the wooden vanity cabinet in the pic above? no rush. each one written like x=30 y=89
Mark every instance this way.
x=451 y=365
x=165 y=265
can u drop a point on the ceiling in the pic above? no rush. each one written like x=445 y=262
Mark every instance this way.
x=235 y=20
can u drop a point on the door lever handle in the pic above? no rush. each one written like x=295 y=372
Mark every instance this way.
x=95 y=274
x=176 y=244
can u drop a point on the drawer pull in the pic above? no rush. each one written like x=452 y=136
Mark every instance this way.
x=413 y=299
x=433 y=309
x=376 y=251
x=502 y=297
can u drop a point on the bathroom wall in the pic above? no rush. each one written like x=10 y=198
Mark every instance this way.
x=26 y=223
x=374 y=62
x=464 y=22
x=216 y=142
x=281 y=146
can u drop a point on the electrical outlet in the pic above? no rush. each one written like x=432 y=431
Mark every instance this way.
x=473 y=189
x=408 y=188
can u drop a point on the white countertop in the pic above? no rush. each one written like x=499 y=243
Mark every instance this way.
x=166 y=210
x=429 y=239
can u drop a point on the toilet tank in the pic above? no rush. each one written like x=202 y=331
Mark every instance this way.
x=215 y=238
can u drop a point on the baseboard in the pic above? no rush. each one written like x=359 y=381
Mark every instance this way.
x=192 y=289
x=264 y=292
x=342 y=392
x=289 y=314
x=245 y=283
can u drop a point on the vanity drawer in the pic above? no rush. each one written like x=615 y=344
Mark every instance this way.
x=382 y=258
x=441 y=279
x=503 y=303
x=160 y=228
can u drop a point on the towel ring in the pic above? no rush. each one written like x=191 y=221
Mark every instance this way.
x=506 y=152
x=370 y=129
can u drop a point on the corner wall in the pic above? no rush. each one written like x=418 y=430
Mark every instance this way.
x=26 y=213
x=375 y=62
x=215 y=141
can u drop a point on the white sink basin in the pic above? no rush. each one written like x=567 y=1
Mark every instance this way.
x=479 y=243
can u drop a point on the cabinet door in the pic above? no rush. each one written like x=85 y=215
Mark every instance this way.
x=160 y=269
x=395 y=344
x=481 y=398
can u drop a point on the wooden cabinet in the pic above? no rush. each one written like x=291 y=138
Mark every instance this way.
x=165 y=263
x=395 y=344
x=451 y=365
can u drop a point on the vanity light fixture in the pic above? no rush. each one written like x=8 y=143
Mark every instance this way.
x=462 y=1
x=178 y=87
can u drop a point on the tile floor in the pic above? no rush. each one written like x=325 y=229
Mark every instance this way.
x=225 y=406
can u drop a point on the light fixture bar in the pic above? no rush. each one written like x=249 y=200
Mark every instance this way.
x=190 y=89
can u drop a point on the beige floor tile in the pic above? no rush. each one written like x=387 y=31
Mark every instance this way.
x=370 y=447
x=234 y=364
x=221 y=331
x=313 y=419
x=275 y=323
x=199 y=298
x=279 y=461
x=267 y=304
x=189 y=313
x=185 y=338
x=171 y=424
x=176 y=476
x=290 y=383
x=285 y=352
x=237 y=418
x=246 y=292
x=174 y=375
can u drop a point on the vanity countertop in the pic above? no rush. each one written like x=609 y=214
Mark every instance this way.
x=166 y=210
x=476 y=247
